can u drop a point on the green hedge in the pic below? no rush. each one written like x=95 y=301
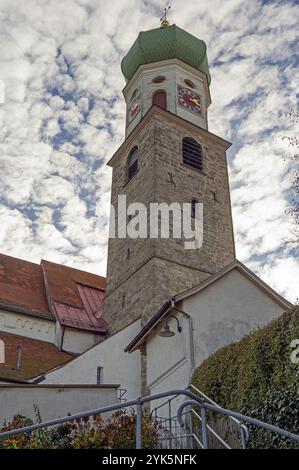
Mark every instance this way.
x=257 y=377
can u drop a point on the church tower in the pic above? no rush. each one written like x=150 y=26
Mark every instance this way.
x=168 y=156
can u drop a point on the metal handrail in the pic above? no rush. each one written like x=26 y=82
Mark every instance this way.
x=244 y=432
x=168 y=430
x=212 y=431
x=243 y=428
x=210 y=400
x=206 y=406
x=164 y=403
x=193 y=400
x=86 y=414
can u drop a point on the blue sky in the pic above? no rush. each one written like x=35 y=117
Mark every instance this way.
x=63 y=117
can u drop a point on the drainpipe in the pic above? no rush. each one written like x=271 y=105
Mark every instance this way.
x=19 y=355
x=191 y=337
x=62 y=338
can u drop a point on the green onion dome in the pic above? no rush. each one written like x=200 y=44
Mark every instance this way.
x=167 y=42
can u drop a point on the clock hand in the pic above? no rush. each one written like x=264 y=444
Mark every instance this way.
x=195 y=101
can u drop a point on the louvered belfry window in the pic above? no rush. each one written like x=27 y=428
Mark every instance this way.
x=192 y=153
x=132 y=162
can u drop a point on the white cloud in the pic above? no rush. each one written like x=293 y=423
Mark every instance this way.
x=282 y=274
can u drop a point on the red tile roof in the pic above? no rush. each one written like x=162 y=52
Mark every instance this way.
x=37 y=357
x=89 y=316
x=77 y=298
x=51 y=291
x=22 y=285
x=62 y=282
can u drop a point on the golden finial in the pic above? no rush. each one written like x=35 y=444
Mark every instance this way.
x=164 y=22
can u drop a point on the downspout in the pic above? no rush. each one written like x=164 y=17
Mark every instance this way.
x=62 y=338
x=191 y=337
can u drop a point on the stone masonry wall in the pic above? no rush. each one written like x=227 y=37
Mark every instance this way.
x=144 y=273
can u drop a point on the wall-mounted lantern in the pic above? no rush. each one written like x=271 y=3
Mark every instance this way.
x=166 y=332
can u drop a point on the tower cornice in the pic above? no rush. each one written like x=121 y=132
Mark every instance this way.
x=155 y=111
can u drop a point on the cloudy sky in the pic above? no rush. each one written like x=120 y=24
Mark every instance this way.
x=63 y=117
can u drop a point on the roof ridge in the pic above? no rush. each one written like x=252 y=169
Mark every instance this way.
x=19 y=259
x=71 y=268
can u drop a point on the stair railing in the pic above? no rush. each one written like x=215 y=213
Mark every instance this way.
x=194 y=400
x=242 y=428
x=169 y=422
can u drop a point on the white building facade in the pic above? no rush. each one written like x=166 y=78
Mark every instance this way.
x=214 y=314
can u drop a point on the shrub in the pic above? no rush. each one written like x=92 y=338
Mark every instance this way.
x=20 y=441
x=118 y=432
x=256 y=377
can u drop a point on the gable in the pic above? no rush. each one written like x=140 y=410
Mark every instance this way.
x=227 y=310
x=235 y=291
x=206 y=286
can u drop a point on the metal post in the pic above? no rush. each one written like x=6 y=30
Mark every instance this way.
x=244 y=436
x=204 y=430
x=191 y=431
x=139 y=425
x=170 y=425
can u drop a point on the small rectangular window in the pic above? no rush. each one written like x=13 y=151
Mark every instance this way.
x=2 y=352
x=99 y=375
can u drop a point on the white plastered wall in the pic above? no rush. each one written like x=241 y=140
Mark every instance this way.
x=118 y=366
x=52 y=401
x=220 y=314
x=28 y=326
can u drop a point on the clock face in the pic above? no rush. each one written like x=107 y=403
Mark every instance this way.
x=134 y=109
x=189 y=100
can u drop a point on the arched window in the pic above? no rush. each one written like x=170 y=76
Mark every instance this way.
x=132 y=162
x=160 y=99
x=192 y=153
